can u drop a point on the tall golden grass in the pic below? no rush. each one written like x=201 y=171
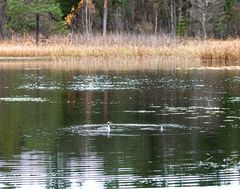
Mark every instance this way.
x=217 y=51
x=123 y=45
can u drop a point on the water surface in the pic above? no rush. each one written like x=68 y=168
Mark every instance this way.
x=170 y=128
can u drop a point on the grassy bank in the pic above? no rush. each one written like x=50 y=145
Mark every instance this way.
x=123 y=46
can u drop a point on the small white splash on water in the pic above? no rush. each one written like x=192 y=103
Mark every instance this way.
x=41 y=87
x=23 y=99
x=91 y=184
x=232 y=117
x=235 y=99
x=215 y=68
x=140 y=111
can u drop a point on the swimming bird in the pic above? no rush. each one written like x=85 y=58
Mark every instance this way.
x=108 y=126
x=161 y=129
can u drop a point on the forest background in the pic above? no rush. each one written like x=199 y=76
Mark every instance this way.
x=186 y=18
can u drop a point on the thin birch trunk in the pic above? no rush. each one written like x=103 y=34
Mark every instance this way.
x=156 y=21
x=86 y=16
x=105 y=11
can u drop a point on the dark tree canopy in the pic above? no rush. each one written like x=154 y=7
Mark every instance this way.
x=194 y=18
x=3 y=18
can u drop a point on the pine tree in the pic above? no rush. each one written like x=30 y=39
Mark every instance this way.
x=26 y=15
x=181 y=29
x=228 y=8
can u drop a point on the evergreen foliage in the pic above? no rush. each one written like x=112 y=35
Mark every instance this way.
x=22 y=16
x=208 y=18
x=181 y=30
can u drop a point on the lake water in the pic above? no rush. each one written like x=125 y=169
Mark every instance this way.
x=169 y=128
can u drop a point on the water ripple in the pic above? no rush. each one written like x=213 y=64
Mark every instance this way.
x=23 y=99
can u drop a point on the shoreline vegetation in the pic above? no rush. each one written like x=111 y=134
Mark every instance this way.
x=123 y=46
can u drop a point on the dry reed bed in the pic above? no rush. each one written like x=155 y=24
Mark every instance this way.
x=124 y=46
x=94 y=51
x=227 y=52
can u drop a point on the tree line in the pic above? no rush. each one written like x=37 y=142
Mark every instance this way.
x=186 y=18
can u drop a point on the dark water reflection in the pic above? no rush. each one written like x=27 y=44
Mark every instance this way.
x=169 y=128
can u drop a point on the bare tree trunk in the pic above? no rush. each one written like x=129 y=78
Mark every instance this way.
x=204 y=26
x=172 y=7
x=156 y=21
x=37 y=28
x=204 y=19
x=86 y=16
x=105 y=10
x=89 y=21
x=174 y=17
x=205 y=12
x=133 y=14
x=118 y=19
x=179 y=17
x=143 y=11
x=3 y=18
